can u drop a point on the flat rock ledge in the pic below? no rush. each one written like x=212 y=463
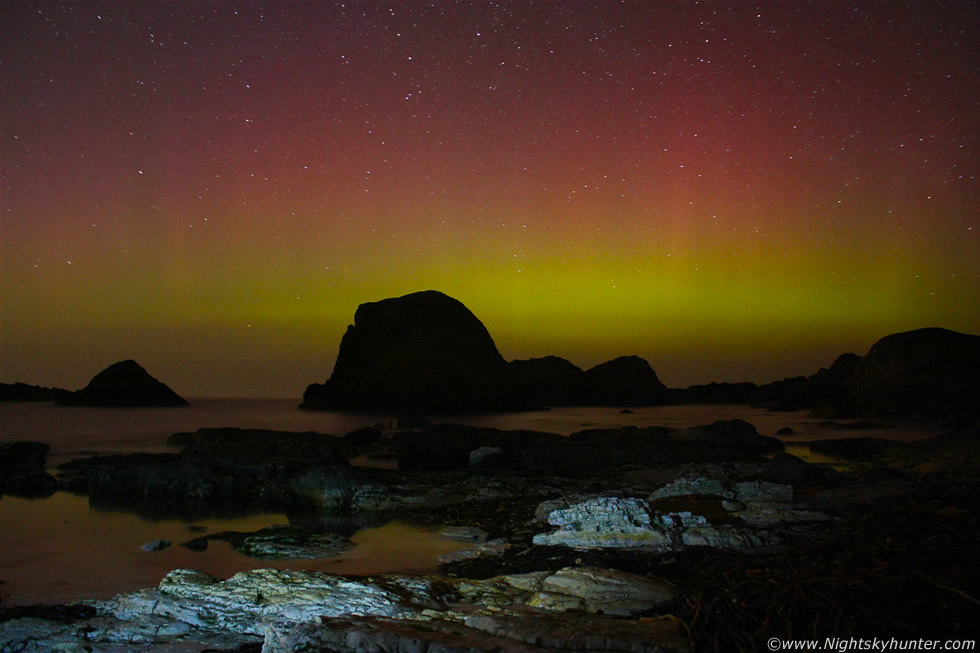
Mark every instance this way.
x=571 y=609
x=716 y=514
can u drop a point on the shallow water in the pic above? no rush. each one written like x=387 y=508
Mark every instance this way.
x=60 y=549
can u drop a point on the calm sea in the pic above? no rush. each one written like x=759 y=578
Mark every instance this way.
x=60 y=549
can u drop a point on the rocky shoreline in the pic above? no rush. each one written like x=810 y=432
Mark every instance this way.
x=653 y=539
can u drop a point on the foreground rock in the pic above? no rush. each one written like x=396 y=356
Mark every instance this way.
x=22 y=469
x=263 y=444
x=712 y=513
x=198 y=485
x=124 y=384
x=234 y=469
x=280 y=543
x=513 y=631
x=454 y=446
x=289 y=610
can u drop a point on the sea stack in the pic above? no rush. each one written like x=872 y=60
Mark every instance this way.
x=124 y=384
x=423 y=352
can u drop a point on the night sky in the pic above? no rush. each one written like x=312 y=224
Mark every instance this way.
x=732 y=190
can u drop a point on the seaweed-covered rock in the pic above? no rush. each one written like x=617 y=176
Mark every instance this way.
x=286 y=543
x=262 y=444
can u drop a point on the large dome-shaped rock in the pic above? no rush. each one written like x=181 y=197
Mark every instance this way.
x=927 y=371
x=627 y=380
x=420 y=352
x=124 y=384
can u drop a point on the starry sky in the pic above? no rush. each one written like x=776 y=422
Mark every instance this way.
x=732 y=190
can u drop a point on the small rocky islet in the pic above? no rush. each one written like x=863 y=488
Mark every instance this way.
x=639 y=539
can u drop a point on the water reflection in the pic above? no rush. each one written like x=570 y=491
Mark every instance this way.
x=57 y=550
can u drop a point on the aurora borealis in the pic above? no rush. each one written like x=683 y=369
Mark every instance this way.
x=732 y=190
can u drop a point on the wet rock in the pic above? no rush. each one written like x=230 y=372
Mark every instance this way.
x=614 y=522
x=787 y=468
x=464 y=533
x=22 y=469
x=262 y=444
x=248 y=602
x=487 y=457
x=602 y=591
x=516 y=631
x=584 y=632
x=688 y=512
x=197 y=544
x=694 y=486
x=369 y=633
x=478 y=550
x=363 y=437
x=156 y=545
x=286 y=543
x=107 y=634
x=859 y=449
x=449 y=446
x=723 y=440
x=194 y=483
x=953 y=453
x=759 y=504
x=733 y=433
x=756 y=491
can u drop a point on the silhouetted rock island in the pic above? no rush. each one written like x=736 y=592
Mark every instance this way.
x=427 y=352
x=421 y=352
x=124 y=383
x=623 y=381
